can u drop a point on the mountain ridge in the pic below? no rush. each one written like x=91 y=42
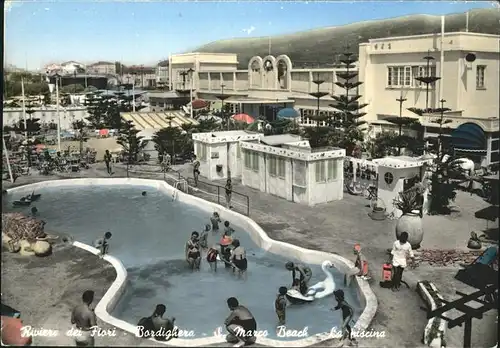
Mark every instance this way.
x=319 y=47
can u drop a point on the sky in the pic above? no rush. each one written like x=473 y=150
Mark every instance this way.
x=42 y=32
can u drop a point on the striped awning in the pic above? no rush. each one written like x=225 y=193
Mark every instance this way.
x=157 y=120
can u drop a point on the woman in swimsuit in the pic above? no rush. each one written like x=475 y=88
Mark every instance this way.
x=193 y=255
x=239 y=257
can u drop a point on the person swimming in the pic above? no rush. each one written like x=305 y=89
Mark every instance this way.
x=239 y=257
x=144 y=193
x=34 y=211
x=193 y=253
x=305 y=275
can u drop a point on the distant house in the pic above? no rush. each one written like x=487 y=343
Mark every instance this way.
x=102 y=68
x=162 y=72
x=72 y=67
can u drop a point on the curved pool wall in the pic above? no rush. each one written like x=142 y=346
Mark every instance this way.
x=110 y=299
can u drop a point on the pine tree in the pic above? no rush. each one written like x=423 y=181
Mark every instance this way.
x=95 y=109
x=132 y=143
x=347 y=118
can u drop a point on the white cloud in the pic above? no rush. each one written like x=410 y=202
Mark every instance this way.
x=250 y=30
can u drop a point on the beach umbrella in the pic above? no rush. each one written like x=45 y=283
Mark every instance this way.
x=243 y=118
x=288 y=113
x=199 y=104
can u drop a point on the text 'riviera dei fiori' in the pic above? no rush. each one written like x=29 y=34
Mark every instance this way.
x=95 y=331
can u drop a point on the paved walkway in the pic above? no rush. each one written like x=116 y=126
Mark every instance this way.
x=335 y=227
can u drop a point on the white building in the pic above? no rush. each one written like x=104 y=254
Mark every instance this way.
x=46 y=115
x=72 y=67
x=469 y=78
x=220 y=152
x=287 y=167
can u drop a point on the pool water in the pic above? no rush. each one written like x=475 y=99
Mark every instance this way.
x=149 y=234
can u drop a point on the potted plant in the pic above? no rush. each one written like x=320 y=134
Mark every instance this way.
x=410 y=204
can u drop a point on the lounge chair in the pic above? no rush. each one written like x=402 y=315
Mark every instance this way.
x=487 y=257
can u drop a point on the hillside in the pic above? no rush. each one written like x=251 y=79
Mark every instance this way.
x=320 y=47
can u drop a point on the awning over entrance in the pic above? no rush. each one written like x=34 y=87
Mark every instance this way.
x=469 y=136
x=243 y=100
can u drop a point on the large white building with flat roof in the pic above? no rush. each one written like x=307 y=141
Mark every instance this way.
x=469 y=79
x=387 y=67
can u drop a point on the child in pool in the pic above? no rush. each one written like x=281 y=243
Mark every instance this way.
x=280 y=306
x=212 y=258
x=215 y=219
x=204 y=237
x=228 y=230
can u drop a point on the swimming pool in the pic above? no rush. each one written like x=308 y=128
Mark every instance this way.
x=148 y=237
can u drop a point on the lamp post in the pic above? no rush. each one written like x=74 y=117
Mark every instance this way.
x=442 y=109
x=400 y=100
x=133 y=92
x=190 y=72
x=74 y=83
x=58 y=115
x=223 y=97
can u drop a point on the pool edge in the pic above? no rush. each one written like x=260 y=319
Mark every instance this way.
x=115 y=291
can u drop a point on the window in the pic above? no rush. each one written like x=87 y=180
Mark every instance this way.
x=276 y=166
x=251 y=160
x=407 y=76
x=480 y=76
x=320 y=171
x=201 y=152
x=404 y=76
x=332 y=170
x=494 y=145
x=299 y=173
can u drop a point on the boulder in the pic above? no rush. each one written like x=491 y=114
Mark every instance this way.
x=10 y=244
x=42 y=248
x=25 y=248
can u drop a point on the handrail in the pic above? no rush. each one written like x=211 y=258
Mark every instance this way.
x=191 y=183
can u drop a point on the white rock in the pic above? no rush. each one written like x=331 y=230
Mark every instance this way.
x=42 y=248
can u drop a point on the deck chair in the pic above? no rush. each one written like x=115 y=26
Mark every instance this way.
x=487 y=257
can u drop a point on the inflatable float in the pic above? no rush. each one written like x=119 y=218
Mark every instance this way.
x=319 y=290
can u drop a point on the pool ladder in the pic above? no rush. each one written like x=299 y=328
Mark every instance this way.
x=180 y=185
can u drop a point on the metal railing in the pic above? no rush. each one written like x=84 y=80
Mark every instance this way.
x=216 y=193
x=208 y=191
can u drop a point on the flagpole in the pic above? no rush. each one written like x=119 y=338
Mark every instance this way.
x=441 y=61
x=24 y=109
x=58 y=117
x=7 y=158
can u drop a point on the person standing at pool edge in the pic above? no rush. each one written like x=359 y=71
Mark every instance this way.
x=196 y=170
x=401 y=249
x=84 y=319
x=107 y=160
x=229 y=192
